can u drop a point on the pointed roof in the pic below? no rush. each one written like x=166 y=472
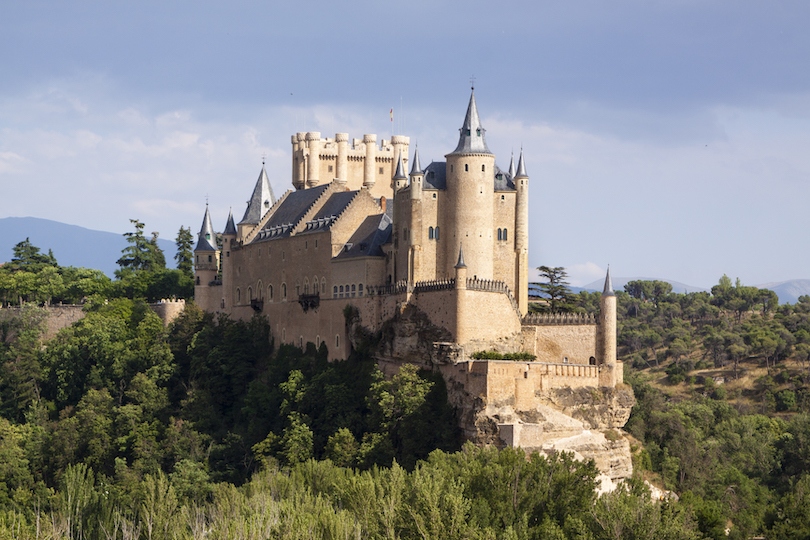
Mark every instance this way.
x=260 y=201
x=521 y=172
x=471 y=135
x=400 y=173
x=512 y=166
x=416 y=168
x=460 y=263
x=608 y=285
x=207 y=238
x=230 y=228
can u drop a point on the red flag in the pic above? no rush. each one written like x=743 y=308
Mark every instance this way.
x=392 y=115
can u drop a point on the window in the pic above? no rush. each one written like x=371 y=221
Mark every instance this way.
x=483 y=168
x=500 y=235
x=198 y=280
x=323 y=285
x=341 y=291
x=301 y=341
x=434 y=195
x=466 y=167
x=437 y=232
x=318 y=342
x=283 y=334
x=360 y=290
x=198 y=258
x=306 y=285
x=297 y=287
x=334 y=292
x=270 y=292
x=430 y=233
x=504 y=236
x=503 y=198
x=353 y=291
x=284 y=292
x=337 y=341
x=330 y=168
x=250 y=293
x=209 y=258
x=381 y=170
x=260 y=291
x=238 y=296
x=565 y=359
x=478 y=132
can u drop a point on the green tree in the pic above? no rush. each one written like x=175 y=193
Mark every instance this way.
x=555 y=287
x=184 y=255
x=142 y=253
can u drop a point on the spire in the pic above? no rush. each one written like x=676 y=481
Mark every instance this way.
x=207 y=238
x=230 y=228
x=608 y=285
x=512 y=165
x=471 y=139
x=521 y=172
x=260 y=201
x=416 y=168
x=400 y=173
x=460 y=263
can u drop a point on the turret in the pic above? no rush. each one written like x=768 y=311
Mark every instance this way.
x=417 y=176
x=521 y=233
x=228 y=242
x=370 y=166
x=400 y=180
x=206 y=256
x=314 y=158
x=610 y=370
x=470 y=194
x=261 y=200
x=299 y=160
x=462 y=332
x=342 y=172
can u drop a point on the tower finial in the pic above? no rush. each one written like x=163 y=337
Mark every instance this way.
x=521 y=169
x=460 y=263
x=608 y=291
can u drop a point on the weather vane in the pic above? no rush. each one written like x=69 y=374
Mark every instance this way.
x=472 y=82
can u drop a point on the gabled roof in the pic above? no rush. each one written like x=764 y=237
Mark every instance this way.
x=368 y=239
x=290 y=212
x=230 y=228
x=207 y=239
x=260 y=201
x=471 y=135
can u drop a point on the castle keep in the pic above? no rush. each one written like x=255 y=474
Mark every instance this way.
x=444 y=247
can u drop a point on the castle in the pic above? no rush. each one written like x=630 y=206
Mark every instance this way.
x=448 y=242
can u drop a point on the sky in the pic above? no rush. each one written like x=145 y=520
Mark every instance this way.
x=667 y=139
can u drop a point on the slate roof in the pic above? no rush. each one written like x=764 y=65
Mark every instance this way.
x=368 y=239
x=290 y=212
x=207 y=238
x=260 y=201
x=230 y=228
x=329 y=212
x=472 y=138
x=436 y=177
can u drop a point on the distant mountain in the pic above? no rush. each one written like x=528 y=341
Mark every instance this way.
x=788 y=291
x=71 y=245
x=620 y=282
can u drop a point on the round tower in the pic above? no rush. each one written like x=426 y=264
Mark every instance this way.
x=314 y=161
x=417 y=177
x=609 y=371
x=206 y=265
x=228 y=243
x=470 y=193
x=341 y=172
x=300 y=174
x=369 y=167
x=521 y=234
x=400 y=144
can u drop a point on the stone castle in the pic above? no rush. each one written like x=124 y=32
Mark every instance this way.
x=437 y=259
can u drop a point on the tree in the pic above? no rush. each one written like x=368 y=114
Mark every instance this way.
x=556 y=288
x=29 y=259
x=141 y=254
x=184 y=256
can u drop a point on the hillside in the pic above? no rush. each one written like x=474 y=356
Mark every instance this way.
x=72 y=245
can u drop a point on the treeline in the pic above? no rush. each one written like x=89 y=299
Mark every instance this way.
x=34 y=277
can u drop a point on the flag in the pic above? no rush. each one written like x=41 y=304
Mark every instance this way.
x=392 y=115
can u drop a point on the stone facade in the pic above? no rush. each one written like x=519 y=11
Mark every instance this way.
x=446 y=246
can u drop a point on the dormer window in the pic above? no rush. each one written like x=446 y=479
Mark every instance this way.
x=478 y=132
x=267 y=204
x=468 y=132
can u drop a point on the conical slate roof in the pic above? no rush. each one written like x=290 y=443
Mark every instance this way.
x=416 y=168
x=460 y=263
x=471 y=135
x=260 y=201
x=230 y=228
x=521 y=172
x=608 y=285
x=400 y=173
x=512 y=166
x=207 y=238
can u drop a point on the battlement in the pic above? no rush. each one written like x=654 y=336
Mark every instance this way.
x=547 y=319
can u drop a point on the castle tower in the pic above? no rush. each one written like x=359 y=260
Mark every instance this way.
x=314 y=158
x=228 y=241
x=299 y=160
x=261 y=200
x=342 y=169
x=470 y=190
x=521 y=234
x=369 y=169
x=417 y=176
x=400 y=180
x=461 y=298
x=400 y=145
x=609 y=370
x=206 y=263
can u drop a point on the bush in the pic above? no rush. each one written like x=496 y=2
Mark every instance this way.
x=494 y=355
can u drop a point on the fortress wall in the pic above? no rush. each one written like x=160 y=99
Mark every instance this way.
x=552 y=343
x=486 y=316
x=439 y=306
x=57 y=317
x=354 y=272
x=169 y=310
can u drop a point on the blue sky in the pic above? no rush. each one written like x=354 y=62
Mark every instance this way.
x=666 y=138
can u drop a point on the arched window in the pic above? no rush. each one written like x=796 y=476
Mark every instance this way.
x=337 y=341
x=334 y=292
x=466 y=167
x=360 y=290
x=483 y=168
x=250 y=293
x=198 y=280
x=306 y=285
x=314 y=284
x=500 y=235
x=260 y=291
x=301 y=342
x=341 y=291
x=354 y=290
x=270 y=292
x=318 y=342
x=238 y=296
x=504 y=236
x=430 y=233
x=323 y=285
x=284 y=292
x=283 y=335
x=437 y=233
x=297 y=287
